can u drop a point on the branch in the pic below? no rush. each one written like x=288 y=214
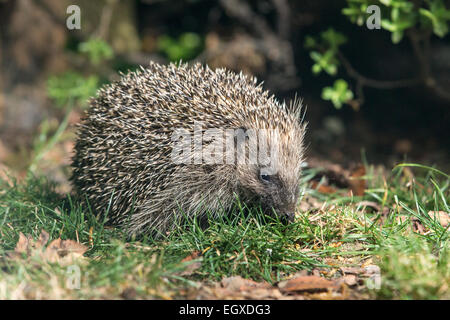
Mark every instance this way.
x=378 y=84
x=420 y=43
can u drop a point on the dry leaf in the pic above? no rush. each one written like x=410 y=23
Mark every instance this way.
x=370 y=204
x=306 y=283
x=357 y=184
x=22 y=244
x=371 y=269
x=322 y=188
x=351 y=270
x=441 y=216
x=350 y=280
x=238 y=283
x=191 y=267
x=63 y=252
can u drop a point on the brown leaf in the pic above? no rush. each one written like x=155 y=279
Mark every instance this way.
x=306 y=283
x=22 y=244
x=322 y=188
x=238 y=283
x=61 y=251
x=350 y=280
x=43 y=239
x=370 y=204
x=371 y=269
x=191 y=267
x=351 y=270
x=441 y=216
x=357 y=184
x=64 y=251
x=192 y=256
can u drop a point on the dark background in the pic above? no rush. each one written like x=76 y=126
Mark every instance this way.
x=262 y=38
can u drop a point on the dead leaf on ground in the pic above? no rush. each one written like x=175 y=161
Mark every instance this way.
x=193 y=266
x=59 y=251
x=370 y=204
x=441 y=216
x=6 y=175
x=307 y=284
x=237 y=287
x=341 y=178
x=357 y=183
x=351 y=270
x=239 y=283
x=322 y=188
x=350 y=280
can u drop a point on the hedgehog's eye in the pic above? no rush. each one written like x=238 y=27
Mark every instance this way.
x=264 y=177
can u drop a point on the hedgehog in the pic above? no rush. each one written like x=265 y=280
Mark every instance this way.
x=172 y=141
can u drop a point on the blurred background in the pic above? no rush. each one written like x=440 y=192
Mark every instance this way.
x=377 y=95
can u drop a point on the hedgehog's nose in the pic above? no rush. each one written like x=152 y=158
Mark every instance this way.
x=288 y=217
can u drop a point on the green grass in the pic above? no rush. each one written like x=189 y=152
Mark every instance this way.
x=342 y=233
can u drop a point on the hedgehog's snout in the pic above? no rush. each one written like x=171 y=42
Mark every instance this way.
x=287 y=217
x=280 y=205
x=285 y=205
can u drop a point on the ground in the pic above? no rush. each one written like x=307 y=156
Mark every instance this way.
x=362 y=233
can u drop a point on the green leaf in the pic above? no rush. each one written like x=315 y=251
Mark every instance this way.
x=439 y=16
x=310 y=42
x=186 y=47
x=333 y=38
x=397 y=36
x=338 y=94
x=316 y=69
x=71 y=87
x=97 y=50
x=326 y=62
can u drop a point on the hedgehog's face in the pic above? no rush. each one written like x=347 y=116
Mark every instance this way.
x=275 y=192
x=276 y=187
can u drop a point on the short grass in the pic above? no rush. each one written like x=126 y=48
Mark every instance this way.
x=414 y=264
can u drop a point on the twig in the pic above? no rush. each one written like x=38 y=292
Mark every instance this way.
x=421 y=48
x=420 y=42
x=379 y=84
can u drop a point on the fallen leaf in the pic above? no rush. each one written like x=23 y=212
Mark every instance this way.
x=60 y=251
x=191 y=267
x=322 y=188
x=350 y=280
x=43 y=239
x=22 y=244
x=351 y=270
x=441 y=216
x=357 y=183
x=372 y=269
x=306 y=283
x=240 y=284
x=370 y=204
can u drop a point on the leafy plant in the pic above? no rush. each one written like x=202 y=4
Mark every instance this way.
x=71 y=87
x=416 y=20
x=186 y=47
x=338 y=94
x=97 y=50
x=69 y=90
